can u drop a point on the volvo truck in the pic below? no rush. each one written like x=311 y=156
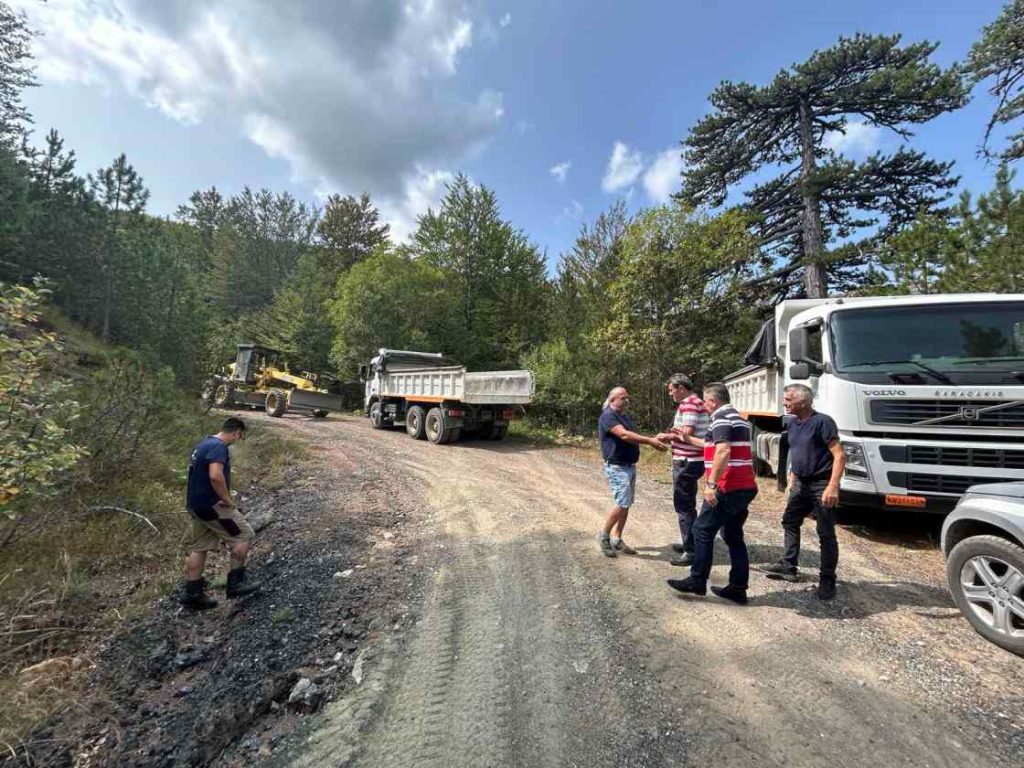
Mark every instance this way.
x=927 y=391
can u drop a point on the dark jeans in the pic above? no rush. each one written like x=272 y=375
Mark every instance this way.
x=729 y=515
x=685 y=475
x=805 y=499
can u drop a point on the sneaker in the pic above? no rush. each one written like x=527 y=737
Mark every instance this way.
x=826 y=588
x=677 y=547
x=781 y=572
x=688 y=585
x=606 y=546
x=735 y=594
x=684 y=559
x=623 y=548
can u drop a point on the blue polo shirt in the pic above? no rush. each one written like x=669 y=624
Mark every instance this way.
x=616 y=450
x=200 y=494
x=809 y=456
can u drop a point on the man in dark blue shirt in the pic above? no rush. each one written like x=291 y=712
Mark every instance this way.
x=215 y=518
x=620 y=448
x=816 y=464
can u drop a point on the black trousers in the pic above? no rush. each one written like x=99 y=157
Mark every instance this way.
x=805 y=499
x=685 y=475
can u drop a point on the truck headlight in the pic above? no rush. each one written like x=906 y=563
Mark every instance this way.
x=856 y=462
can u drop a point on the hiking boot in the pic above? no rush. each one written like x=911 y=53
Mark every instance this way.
x=622 y=548
x=606 y=546
x=688 y=585
x=677 y=547
x=195 y=597
x=827 y=588
x=239 y=585
x=781 y=571
x=684 y=559
x=735 y=594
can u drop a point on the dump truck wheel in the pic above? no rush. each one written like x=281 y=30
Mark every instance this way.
x=415 y=422
x=320 y=414
x=277 y=403
x=376 y=415
x=223 y=396
x=436 y=430
x=498 y=433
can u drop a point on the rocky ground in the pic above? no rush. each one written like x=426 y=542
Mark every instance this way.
x=447 y=605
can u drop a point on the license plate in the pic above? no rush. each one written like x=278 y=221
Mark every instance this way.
x=896 y=500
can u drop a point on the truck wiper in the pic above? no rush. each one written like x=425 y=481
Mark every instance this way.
x=927 y=368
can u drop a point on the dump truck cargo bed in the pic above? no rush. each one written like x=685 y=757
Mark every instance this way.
x=454 y=383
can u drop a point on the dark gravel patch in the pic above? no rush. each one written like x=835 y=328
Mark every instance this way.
x=223 y=686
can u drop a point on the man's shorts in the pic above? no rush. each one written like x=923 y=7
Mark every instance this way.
x=213 y=525
x=622 y=479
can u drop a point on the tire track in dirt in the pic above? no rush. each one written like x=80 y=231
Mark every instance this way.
x=534 y=650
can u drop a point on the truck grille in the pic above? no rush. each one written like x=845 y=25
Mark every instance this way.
x=946 y=456
x=1007 y=414
x=955 y=484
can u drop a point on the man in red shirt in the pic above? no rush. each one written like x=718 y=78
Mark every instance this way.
x=729 y=487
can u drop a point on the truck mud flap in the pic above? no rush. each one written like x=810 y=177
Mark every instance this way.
x=301 y=400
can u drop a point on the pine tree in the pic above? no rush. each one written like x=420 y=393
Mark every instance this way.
x=999 y=56
x=819 y=196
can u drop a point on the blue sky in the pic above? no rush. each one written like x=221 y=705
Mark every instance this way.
x=561 y=108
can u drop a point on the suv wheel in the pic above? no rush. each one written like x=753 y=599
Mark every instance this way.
x=986 y=577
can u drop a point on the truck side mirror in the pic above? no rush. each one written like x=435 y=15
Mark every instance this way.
x=798 y=344
x=362 y=373
x=799 y=371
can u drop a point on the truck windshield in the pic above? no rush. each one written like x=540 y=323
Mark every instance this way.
x=934 y=338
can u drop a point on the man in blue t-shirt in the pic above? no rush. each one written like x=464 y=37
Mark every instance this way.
x=620 y=448
x=215 y=518
x=816 y=464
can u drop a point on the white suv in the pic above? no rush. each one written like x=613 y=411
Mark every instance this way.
x=983 y=541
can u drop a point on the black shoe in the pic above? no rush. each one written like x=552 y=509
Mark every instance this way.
x=239 y=586
x=730 y=592
x=781 y=572
x=195 y=597
x=826 y=588
x=689 y=585
x=684 y=559
x=677 y=547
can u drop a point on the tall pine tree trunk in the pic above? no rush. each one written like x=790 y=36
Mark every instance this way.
x=815 y=279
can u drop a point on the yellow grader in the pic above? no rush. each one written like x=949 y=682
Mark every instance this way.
x=259 y=379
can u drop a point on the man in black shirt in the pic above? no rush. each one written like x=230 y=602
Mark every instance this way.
x=817 y=461
x=620 y=449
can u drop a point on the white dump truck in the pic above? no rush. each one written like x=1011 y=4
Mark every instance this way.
x=927 y=391
x=436 y=398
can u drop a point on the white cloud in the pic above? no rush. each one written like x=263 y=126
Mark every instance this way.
x=422 y=190
x=662 y=177
x=560 y=171
x=360 y=100
x=861 y=138
x=505 y=20
x=624 y=167
x=573 y=211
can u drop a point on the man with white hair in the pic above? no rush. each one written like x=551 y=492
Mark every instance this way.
x=620 y=448
x=817 y=461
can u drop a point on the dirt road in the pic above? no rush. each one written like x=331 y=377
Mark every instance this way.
x=532 y=649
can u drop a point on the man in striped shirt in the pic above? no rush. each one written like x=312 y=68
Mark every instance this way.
x=687 y=460
x=729 y=487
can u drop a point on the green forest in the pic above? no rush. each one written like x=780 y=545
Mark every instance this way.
x=639 y=295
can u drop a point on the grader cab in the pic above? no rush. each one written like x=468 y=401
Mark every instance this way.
x=260 y=379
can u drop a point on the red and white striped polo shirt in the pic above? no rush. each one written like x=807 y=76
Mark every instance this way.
x=727 y=426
